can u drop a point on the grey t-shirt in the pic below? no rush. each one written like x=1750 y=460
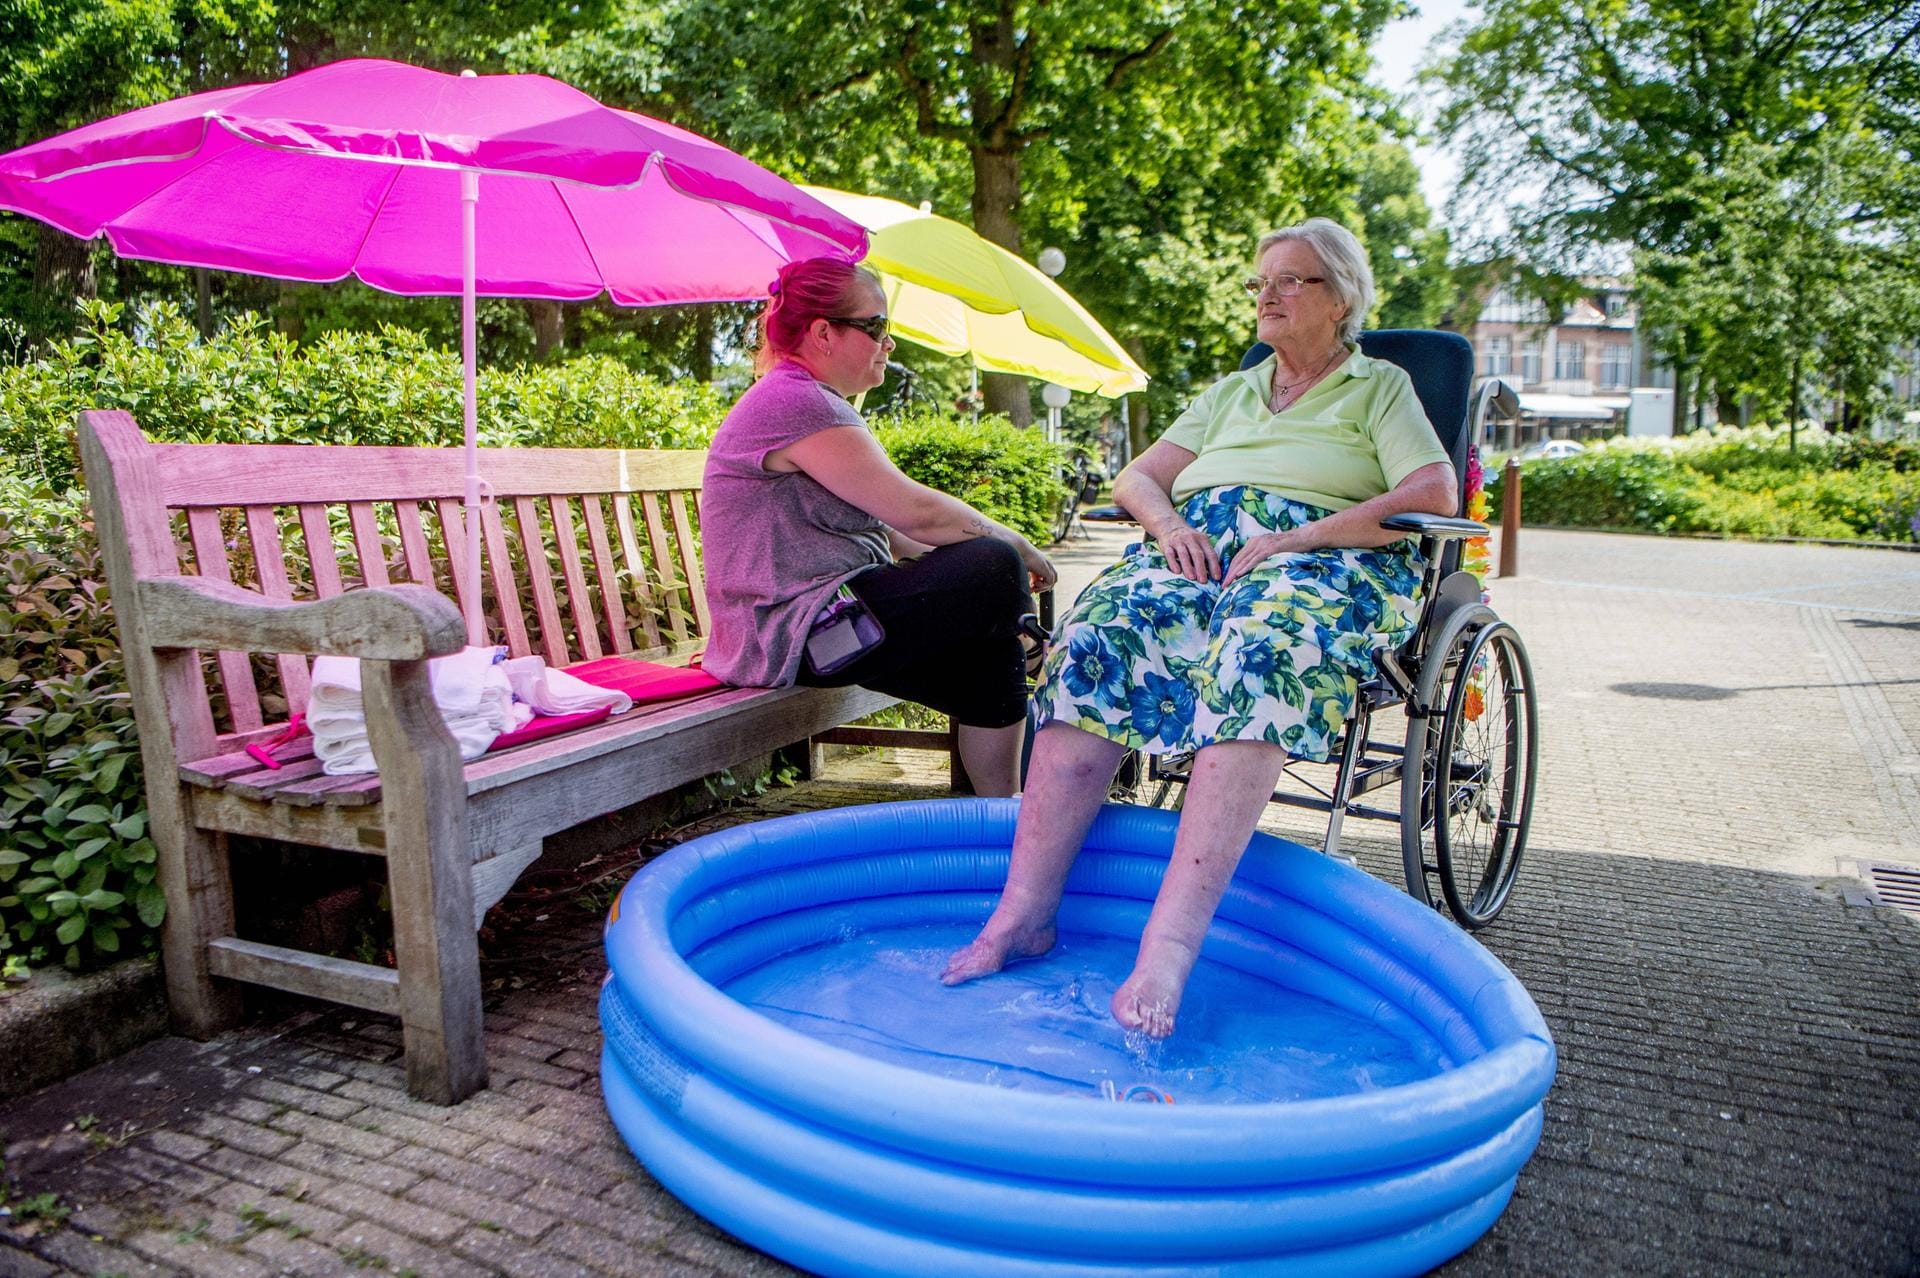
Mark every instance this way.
x=775 y=544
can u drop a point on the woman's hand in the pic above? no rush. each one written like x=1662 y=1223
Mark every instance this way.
x=1039 y=568
x=1258 y=550
x=1189 y=552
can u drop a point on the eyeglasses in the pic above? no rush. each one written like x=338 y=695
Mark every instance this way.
x=874 y=326
x=1279 y=285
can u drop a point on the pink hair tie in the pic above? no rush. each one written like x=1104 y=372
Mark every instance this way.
x=773 y=289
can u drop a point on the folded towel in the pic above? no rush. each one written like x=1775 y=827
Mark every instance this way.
x=351 y=753
x=555 y=692
x=473 y=696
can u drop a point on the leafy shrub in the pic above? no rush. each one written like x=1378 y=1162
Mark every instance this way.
x=1010 y=474
x=76 y=865
x=1737 y=482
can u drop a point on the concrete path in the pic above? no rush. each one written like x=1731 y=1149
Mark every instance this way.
x=1726 y=730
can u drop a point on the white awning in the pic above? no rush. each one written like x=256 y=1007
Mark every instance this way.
x=1589 y=408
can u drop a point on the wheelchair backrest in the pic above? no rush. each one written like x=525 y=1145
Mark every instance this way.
x=1441 y=368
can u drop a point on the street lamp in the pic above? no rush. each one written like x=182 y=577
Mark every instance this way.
x=1055 y=398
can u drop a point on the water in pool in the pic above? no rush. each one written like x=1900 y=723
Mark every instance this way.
x=1043 y=1024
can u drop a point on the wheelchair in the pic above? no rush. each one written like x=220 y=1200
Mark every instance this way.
x=1466 y=765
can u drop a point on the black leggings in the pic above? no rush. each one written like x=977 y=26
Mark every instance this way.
x=952 y=623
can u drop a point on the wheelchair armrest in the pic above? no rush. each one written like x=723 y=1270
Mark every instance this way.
x=1439 y=526
x=1106 y=515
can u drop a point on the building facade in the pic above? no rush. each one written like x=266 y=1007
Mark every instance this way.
x=1575 y=371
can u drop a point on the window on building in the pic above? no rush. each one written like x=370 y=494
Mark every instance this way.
x=1616 y=366
x=1530 y=363
x=1570 y=361
x=1499 y=357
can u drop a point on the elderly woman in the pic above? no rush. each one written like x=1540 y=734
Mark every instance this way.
x=1240 y=630
x=827 y=566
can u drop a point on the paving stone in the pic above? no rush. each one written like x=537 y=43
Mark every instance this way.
x=503 y=1253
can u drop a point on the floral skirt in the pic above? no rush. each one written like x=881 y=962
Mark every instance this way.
x=1162 y=663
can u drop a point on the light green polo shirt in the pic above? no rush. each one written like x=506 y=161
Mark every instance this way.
x=1354 y=436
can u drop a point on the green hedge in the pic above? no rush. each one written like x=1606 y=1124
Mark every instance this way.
x=76 y=866
x=1747 y=483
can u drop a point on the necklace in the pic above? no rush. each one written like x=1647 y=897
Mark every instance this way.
x=1280 y=391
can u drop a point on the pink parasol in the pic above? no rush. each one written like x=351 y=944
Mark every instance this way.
x=379 y=170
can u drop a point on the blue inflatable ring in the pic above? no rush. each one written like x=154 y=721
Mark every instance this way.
x=843 y=1164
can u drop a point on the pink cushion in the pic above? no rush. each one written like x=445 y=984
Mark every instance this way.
x=548 y=725
x=645 y=681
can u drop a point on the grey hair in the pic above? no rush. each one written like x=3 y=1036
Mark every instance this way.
x=1348 y=273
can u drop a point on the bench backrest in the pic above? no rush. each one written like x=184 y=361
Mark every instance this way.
x=586 y=552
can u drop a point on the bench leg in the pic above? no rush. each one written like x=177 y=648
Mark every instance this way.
x=194 y=875
x=430 y=878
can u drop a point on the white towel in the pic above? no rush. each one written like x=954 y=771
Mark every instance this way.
x=552 y=691
x=473 y=695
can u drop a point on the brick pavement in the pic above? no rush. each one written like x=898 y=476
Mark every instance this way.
x=1740 y=1048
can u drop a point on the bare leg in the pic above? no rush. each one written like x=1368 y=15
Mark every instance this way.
x=1065 y=788
x=1231 y=784
x=991 y=757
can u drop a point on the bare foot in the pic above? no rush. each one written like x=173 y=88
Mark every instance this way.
x=1150 y=998
x=990 y=951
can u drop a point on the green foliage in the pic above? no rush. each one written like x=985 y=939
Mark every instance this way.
x=1009 y=474
x=1759 y=159
x=76 y=865
x=1746 y=483
x=252 y=385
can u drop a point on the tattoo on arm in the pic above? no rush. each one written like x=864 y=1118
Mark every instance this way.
x=978 y=526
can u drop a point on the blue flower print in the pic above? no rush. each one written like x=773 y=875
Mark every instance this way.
x=1162 y=708
x=1093 y=668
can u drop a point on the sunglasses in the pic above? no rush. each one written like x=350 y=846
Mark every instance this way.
x=874 y=326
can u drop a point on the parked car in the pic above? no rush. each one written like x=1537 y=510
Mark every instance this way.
x=1552 y=450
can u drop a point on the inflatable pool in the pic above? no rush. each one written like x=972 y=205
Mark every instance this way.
x=1353 y=1087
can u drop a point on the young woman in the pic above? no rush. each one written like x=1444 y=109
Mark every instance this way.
x=800 y=501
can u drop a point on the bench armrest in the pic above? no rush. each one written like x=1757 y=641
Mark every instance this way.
x=1434 y=526
x=383 y=623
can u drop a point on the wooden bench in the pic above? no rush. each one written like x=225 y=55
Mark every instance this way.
x=218 y=552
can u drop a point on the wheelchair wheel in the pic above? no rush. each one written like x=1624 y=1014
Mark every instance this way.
x=1466 y=797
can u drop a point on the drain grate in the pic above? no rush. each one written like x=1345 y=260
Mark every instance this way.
x=1893 y=885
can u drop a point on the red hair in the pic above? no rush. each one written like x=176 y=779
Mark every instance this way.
x=805 y=291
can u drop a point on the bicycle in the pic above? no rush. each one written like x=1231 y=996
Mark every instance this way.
x=1082 y=485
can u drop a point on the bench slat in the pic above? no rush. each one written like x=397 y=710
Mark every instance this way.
x=663 y=565
x=317 y=533
x=506 y=591
x=452 y=518
x=607 y=573
x=288 y=474
x=413 y=543
x=689 y=560
x=578 y=602
x=553 y=640
x=270 y=565
x=236 y=671
x=367 y=546
x=636 y=569
x=215 y=771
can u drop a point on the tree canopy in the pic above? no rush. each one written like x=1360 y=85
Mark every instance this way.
x=1749 y=154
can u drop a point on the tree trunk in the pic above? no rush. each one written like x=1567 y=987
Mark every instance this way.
x=996 y=201
x=63 y=267
x=1138 y=418
x=203 y=301
x=700 y=358
x=549 y=326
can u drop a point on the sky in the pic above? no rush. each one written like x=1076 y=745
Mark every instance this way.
x=1397 y=55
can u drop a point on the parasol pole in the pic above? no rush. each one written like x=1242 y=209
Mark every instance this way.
x=470 y=413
